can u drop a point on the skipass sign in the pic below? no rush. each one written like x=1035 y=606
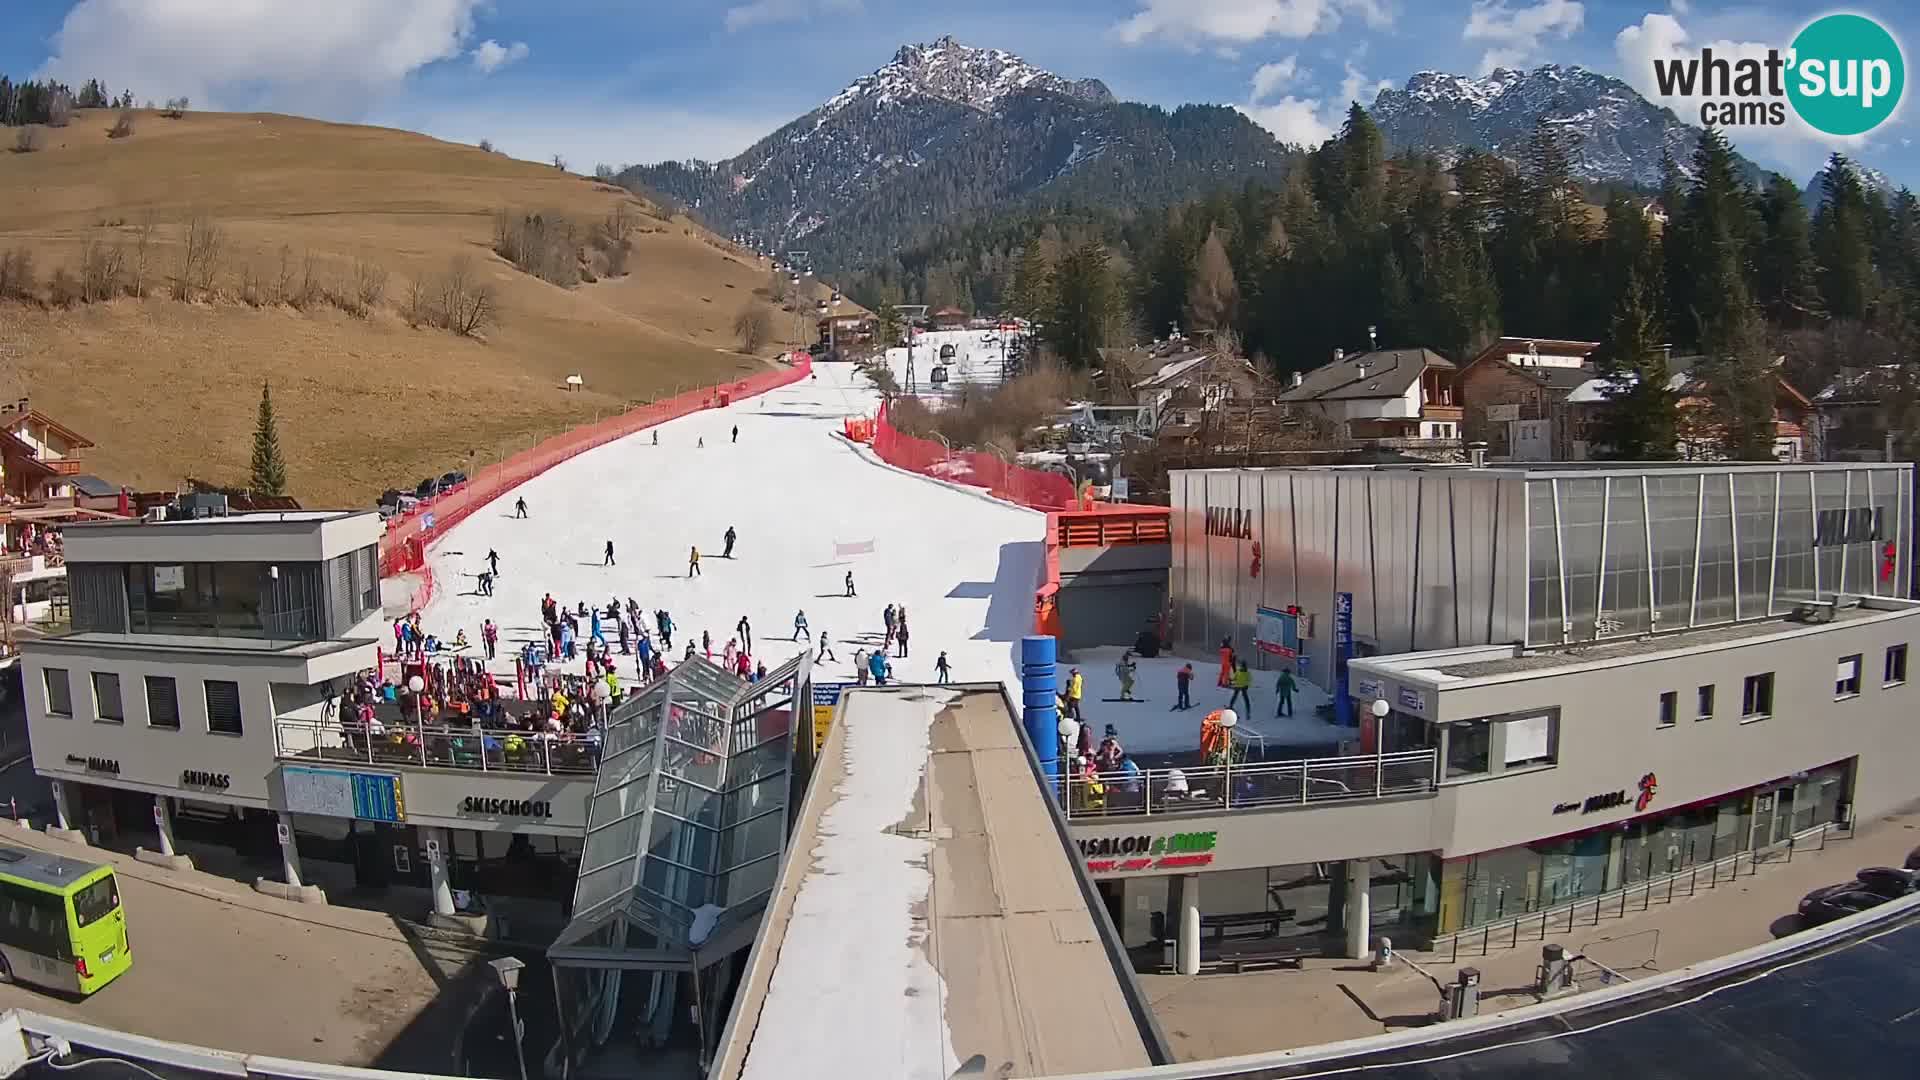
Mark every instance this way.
x=1843 y=75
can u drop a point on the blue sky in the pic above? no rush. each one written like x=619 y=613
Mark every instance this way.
x=646 y=80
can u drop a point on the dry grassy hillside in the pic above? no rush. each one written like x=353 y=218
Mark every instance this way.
x=168 y=388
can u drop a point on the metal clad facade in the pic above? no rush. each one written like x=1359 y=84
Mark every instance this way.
x=1442 y=557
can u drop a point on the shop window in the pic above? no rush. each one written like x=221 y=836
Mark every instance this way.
x=1846 y=678
x=1704 y=709
x=106 y=697
x=223 y=707
x=1468 y=746
x=1756 y=699
x=1531 y=740
x=1669 y=709
x=163 y=705
x=1896 y=666
x=59 y=694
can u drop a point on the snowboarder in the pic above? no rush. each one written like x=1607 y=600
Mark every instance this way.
x=693 y=561
x=1284 y=688
x=800 y=626
x=608 y=559
x=1125 y=669
x=519 y=508
x=736 y=433
x=826 y=650
x=941 y=671
x=1242 y=683
x=493 y=561
x=849 y=583
x=745 y=630
x=1183 y=679
x=900 y=635
x=729 y=538
x=1076 y=686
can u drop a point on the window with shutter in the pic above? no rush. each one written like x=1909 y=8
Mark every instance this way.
x=163 y=708
x=223 y=707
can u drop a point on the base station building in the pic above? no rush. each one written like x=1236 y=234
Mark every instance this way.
x=1616 y=673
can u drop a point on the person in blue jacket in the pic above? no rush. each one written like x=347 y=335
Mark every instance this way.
x=877 y=665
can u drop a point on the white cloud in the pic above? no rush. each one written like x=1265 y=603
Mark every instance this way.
x=490 y=56
x=1306 y=121
x=1244 y=21
x=336 y=58
x=1273 y=76
x=1513 y=35
x=585 y=131
x=762 y=12
x=1794 y=146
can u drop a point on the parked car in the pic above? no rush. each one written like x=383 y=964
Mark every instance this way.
x=451 y=480
x=1891 y=882
x=426 y=489
x=1831 y=902
x=389 y=500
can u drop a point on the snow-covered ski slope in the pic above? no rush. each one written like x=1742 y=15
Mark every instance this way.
x=977 y=361
x=964 y=565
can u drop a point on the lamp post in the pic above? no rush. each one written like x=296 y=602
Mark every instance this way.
x=1069 y=736
x=1228 y=721
x=507 y=970
x=417 y=685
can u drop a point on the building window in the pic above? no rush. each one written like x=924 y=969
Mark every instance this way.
x=1531 y=740
x=1896 y=668
x=1704 y=710
x=163 y=708
x=1669 y=709
x=1846 y=678
x=106 y=697
x=223 y=707
x=1756 y=700
x=1468 y=746
x=59 y=694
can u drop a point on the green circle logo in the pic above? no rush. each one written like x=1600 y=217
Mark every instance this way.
x=1847 y=74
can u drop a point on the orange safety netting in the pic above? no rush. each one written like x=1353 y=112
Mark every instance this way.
x=1015 y=483
x=403 y=548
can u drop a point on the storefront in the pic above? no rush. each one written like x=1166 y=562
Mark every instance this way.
x=1479 y=889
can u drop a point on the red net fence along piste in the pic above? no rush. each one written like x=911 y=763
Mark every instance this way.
x=404 y=547
x=1015 y=483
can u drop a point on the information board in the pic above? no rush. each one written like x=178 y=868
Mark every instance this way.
x=344 y=794
x=1276 y=632
x=826 y=698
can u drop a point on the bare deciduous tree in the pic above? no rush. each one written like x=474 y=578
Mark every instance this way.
x=463 y=302
x=122 y=125
x=31 y=138
x=18 y=281
x=60 y=109
x=754 y=327
x=102 y=265
x=487 y=145
x=200 y=259
x=311 y=289
x=282 y=289
x=604 y=173
x=253 y=292
x=176 y=107
x=63 y=289
x=143 y=254
x=369 y=286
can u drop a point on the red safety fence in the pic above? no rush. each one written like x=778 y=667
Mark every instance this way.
x=1015 y=483
x=403 y=548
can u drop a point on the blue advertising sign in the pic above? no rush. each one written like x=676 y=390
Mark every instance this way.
x=1342 y=652
x=343 y=793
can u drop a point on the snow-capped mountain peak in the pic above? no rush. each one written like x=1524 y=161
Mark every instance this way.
x=974 y=77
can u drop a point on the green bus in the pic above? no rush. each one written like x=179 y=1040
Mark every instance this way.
x=61 y=924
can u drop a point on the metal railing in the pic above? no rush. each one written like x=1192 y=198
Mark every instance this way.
x=1249 y=786
x=438 y=746
x=1588 y=911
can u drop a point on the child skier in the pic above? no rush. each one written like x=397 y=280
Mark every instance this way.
x=1125 y=669
x=1183 y=681
x=941 y=672
x=800 y=626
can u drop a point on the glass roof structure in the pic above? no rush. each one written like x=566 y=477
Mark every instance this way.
x=687 y=819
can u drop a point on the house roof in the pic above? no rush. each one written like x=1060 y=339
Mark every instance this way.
x=1859 y=386
x=1682 y=381
x=72 y=436
x=19 y=451
x=1382 y=373
x=1170 y=371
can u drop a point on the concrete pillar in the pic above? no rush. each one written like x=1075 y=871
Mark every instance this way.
x=62 y=815
x=1189 y=909
x=439 y=852
x=289 y=852
x=163 y=820
x=1358 y=916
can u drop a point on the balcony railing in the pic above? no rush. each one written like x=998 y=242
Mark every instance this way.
x=438 y=746
x=1246 y=787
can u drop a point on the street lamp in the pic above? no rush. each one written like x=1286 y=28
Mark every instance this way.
x=507 y=970
x=417 y=684
x=1228 y=721
x=1069 y=730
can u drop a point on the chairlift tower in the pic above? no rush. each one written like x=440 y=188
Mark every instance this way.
x=911 y=312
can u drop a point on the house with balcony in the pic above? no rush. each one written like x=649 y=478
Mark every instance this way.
x=39 y=454
x=1394 y=399
x=1514 y=397
x=1794 y=417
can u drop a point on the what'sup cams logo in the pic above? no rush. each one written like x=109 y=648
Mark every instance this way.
x=1843 y=75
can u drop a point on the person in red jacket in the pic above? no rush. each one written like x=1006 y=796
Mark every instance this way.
x=1226 y=661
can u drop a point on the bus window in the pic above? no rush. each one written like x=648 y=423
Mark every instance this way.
x=96 y=901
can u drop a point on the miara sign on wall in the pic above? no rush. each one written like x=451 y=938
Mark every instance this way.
x=1229 y=522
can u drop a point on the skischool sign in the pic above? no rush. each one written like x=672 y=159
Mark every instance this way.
x=1129 y=854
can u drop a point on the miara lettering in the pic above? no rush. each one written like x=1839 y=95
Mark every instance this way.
x=474 y=804
x=1229 y=522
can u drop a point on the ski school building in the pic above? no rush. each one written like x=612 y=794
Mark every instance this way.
x=1560 y=682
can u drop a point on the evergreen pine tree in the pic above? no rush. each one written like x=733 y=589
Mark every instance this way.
x=1083 y=302
x=1638 y=423
x=269 y=476
x=1784 y=269
x=1841 y=241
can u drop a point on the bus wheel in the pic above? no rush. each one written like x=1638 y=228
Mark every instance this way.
x=6 y=971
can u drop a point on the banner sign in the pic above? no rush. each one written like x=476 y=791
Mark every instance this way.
x=1276 y=632
x=1342 y=652
x=825 y=697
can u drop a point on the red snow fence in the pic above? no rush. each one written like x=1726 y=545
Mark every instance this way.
x=1098 y=526
x=404 y=547
x=1032 y=488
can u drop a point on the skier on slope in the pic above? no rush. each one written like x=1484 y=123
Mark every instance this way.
x=745 y=630
x=849 y=583
x=693 y=561
x=608 y=560
x=860 y=669
x=826 y=650
x=736 y=433
x=942 y=671
x=493 y=561
x=520 y=508
x=729 y=538
x=800 y=626
x=1125 y=670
